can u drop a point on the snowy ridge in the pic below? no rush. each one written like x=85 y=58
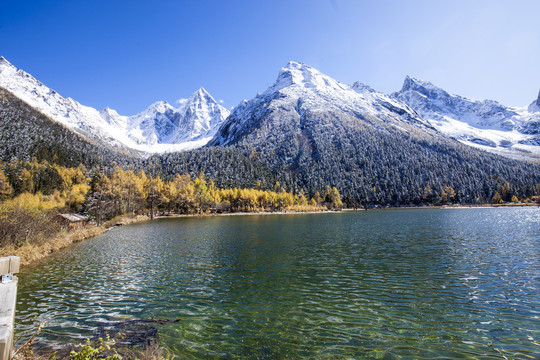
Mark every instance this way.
x=486 y=124
x=513 y=132
x=159 y=128
x=69 y=112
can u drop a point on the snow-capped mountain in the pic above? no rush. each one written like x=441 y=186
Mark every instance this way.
x=160 y=128
x=311 y=130
x=199 y=119
x=195 y=119
x=488 y=125
x=301 y=89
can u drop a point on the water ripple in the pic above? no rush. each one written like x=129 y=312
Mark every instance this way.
x=407 y=284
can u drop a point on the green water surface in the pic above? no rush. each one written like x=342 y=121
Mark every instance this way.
x=392 y=284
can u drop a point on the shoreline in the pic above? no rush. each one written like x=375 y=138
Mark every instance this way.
x=445 y=207
x=31 y=254
x=249 y=213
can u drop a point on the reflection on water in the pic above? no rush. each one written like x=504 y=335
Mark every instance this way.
x=376 y=284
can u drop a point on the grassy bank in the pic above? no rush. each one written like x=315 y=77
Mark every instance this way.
x=30 y=252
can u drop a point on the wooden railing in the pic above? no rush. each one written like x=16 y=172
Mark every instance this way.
x=8 y=297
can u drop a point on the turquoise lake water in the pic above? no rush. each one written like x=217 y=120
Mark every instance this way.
x=388 y=284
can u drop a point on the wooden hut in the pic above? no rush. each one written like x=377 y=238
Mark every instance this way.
x=72 y=221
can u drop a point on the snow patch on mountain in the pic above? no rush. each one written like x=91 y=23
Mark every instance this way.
x=159 y=128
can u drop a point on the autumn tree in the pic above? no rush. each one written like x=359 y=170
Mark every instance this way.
x=447 y=194
x=317 y=198
x=202 y=194
x=335 y=199
x=302 y=200
x=496 y=199
x=5 y=187
x=184 y=192
x=154 y=194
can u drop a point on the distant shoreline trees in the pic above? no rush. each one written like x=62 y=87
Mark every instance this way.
x=105 y=194
x=124 y=192
x=32 y=192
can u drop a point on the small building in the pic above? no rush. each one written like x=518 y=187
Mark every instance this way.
x=72 y=221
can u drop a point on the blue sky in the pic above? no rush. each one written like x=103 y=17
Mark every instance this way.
x=129 y=54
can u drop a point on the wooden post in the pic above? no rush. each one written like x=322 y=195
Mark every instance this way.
x=8 y=297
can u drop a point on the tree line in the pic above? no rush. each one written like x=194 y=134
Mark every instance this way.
x=33 y=192
x=127 y=192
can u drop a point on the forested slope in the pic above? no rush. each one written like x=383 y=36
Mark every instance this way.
x=311 y=130
x=26 y=133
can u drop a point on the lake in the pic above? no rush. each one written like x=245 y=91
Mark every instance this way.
x=390 y=284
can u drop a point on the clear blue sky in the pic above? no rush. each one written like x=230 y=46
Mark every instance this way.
x=128 y=54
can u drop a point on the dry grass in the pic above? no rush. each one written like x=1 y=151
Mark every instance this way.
x=153 y=351
x=33 y=252
x=125 y=220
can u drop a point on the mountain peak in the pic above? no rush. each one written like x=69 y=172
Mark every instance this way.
x=109 y=111
x=301 y=75
x=4 y=62
x=157 y=107
x=296 y=65
x=535 y=105
x=199 y=98
x=361 y=87
x=411 y=83
x=200 y=93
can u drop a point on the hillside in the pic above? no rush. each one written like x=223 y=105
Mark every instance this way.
x=26 y=133
x=306 y=131
x=312 y=130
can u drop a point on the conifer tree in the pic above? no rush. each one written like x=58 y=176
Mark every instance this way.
x=202 y=194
